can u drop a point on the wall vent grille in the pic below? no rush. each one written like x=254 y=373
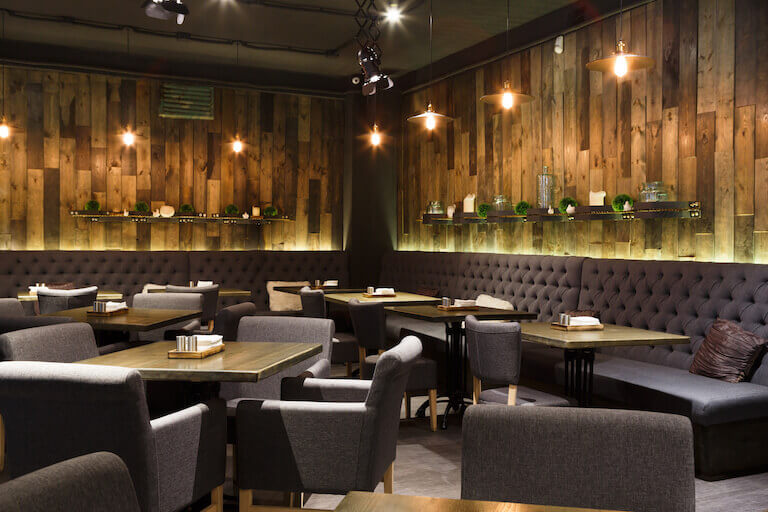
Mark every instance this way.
x=179 y=101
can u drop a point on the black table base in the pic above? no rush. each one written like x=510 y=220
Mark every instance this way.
x=580 y=374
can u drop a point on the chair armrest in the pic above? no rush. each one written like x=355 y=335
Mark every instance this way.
x=324 y=390
x=298 y=446
x=191 y=453
x=277 y=313
x=320 y=370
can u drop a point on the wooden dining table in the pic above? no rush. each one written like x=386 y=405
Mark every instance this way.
x=369 y=502
x=134 y=320
x=223 y=292
x=101 y=295
x=399 y=299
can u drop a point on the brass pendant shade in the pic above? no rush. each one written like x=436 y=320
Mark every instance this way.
x=507 y=98
x=430 y=118
x=614 y=64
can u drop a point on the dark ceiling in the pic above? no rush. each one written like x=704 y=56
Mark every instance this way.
x=459 y=24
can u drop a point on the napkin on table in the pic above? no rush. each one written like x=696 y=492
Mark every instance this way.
x=208 y=340
x=584 y=320
x=115 y=306
x=331 y=282
x=384 y=291
x=461 y=303
x=204 y=283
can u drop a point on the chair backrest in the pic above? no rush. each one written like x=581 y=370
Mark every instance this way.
x=379 y=435
x=369 y=324
x=210 y=298
x=183 y=301
x=11 y=307
x=494 y=350
x=280 y=330
x=56 y=411
x=64 y=343
x=313 y=302
x=228 y=319
x=604 y=459
x=51 y=301
x=16 y=323
x=95 y=482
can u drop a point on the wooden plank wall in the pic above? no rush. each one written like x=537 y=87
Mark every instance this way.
x=66 y=148
x=698 y=121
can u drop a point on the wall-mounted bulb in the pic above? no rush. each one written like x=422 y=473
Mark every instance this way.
x=620 y=66
x=237 y=146
x=507 y=100
x=5 y=130
x=393 y=13
x=128 y=138
x=559 y=44
x=430 y=121
x=375 y=136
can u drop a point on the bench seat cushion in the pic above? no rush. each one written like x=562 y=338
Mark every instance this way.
x=662 y=388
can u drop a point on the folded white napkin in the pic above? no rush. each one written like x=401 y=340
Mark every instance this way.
x=384 y=291
x=464 y=303
x=204 y=283
x=35 y=289
x=584 y=320
x=209 y=340
x=115 y=306
x=331 y=282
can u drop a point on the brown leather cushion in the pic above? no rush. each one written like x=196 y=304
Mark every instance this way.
x=728 y=352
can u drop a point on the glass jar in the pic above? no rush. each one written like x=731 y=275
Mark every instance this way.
x=500 y=203
x=435 y=208
x=545 y=187
x=653 y=191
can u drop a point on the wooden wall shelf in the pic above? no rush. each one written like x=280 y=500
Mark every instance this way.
x=656 y=210
x=176 y=219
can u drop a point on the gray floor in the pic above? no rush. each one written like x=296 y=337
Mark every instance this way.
x=429 y=464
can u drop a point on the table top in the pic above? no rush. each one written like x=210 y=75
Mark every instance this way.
x=238 y=362
x=430 y=313
x=610 y=336
x=136 y=319
x=369 y=502
x=400 y=298
x=294 y=290
x=223 y=292
x=102 y=295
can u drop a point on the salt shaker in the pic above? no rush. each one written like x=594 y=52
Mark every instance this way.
x=370 y=290
x=446 y=302
x=181 y=343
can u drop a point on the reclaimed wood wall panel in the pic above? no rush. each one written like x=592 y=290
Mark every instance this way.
x=66 y=148
x=698 y=121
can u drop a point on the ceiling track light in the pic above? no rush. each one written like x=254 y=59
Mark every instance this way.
x=166 y=9
x=621 y=62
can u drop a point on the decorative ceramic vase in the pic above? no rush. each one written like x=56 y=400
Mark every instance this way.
x=156 y=213
x=245 y=215
x=450 y=211
x=570 y=210
x=627 y=207
x=167 y=211
x=551 y=211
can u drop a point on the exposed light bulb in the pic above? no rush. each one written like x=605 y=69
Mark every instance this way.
x=430 y=121
x=393 y=14
x=5 y=131
x=507 y=100
x=620 y=66
x=179 y=19
x=237 y=146
x=375 y=136
x=128 y=138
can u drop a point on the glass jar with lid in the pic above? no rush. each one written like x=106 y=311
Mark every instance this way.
x=545 y=187
x=435 y=208
x=500 y=203
x=653 y=191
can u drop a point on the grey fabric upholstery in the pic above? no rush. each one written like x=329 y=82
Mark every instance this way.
x=344 y=346
x=183 y=301
x=210 y=298
x=55 y=411
x=51 y=301
x=228 y=319
x=11 y=307
x=16 y=323
x=324 y=390
x=281 y=330
x=325 y=447
x=98 y=482
x=570 y=457
x=65 y=343
x=312 y=303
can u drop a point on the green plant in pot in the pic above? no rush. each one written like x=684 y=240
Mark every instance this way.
x=186 y=209
x=141 y=207
x=619 y=200
x=232 y=210
x=565 y=203
x=483 y=209
x=270 y=211
x=92 y=206
x=521 y=208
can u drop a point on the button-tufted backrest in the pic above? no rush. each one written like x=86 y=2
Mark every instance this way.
x=677 y=297
x=409 y=271
x=250 y=270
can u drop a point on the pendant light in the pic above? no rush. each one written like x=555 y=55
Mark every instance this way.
x=5 y=130
x=429 y=117
x=375 y=134
x=507 y=97
x=129 y=138
x=622 y=61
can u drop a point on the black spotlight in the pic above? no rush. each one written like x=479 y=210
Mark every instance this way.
x=373 y=78
x=166 y=9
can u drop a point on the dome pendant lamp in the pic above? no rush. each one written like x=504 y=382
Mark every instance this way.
x=429 y=117
x=622 y=61
x=507 y=98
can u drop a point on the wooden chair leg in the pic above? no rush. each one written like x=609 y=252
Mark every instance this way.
x=210 y=325
x=477 y=387
x=349 y=369
x=407 y=400
x=433 y=409
x=245 y=500
x=512 y=395
x=389 y=479
x=296 y=500
x=361 y=354
x=217 y=500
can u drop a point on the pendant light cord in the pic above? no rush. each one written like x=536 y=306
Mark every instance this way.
x=4 y=66
x=429 y=96
x=621 y=19
x=506 y=34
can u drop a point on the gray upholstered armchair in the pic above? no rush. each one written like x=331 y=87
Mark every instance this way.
x=53 y=300
x=210 y=301
x=344 y=349
x=11 y=307
x=327 y=435
x=183 y=301
x=64 y=343
x=569 y=457
x=55 y=411
x=228 y=319
x=92 y=483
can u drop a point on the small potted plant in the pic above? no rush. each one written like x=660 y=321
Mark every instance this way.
x=567 y=206
x=231 y=210
x=186 y=210
x=141 y=208
x=521 y=208
x=620 y=201
x=270 y=211
x=483 y=209
x=93 y=206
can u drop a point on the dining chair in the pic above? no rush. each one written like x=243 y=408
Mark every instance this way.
x=329 y=436
x=181 y=301
x=64 y=343
x=344 y=348
x=56 y=411
x=494 y=351
x=16 y=323
x=51 y=300
x=210 y=301
x=228 y=319
x=576 y=457
x=369 y=323
x=11 y=307
x=97 y=482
